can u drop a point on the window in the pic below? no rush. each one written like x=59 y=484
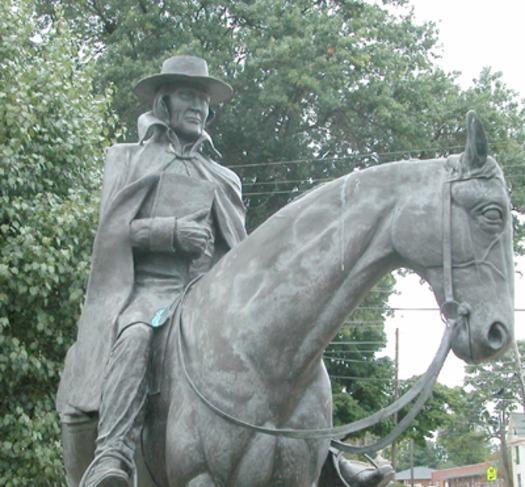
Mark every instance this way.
x=517 y=452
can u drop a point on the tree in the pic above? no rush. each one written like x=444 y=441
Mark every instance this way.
x=52 y=137
x=495 y=394
x=323 y=87
x=341 y=81
x=433 y=415
x=430 y=455
x=463 y=441
x=314 y=80
x=503 y=116
x=361 y=383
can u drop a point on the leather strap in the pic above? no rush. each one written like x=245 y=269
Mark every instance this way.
x=423 y=388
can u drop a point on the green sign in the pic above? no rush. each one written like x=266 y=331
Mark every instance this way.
x=492 y=474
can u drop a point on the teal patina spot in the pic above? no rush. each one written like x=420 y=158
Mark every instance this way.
x=157 y=319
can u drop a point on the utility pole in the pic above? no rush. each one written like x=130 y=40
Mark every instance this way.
x=396 y=395
x=412 y=462
x=519 y=372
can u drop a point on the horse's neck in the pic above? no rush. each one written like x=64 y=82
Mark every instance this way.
x=283 y=293
x=349 y=250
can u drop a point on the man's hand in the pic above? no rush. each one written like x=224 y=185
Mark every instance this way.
x=189 y=234
x=192 y=233
x=139 y=233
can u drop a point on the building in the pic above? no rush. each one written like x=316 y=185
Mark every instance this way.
x=422 y=476
x=478 y=475
x=516 y=445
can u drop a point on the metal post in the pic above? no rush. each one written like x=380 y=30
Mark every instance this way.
x=396 y=395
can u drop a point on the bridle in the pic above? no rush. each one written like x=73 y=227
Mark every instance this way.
x=453 y=314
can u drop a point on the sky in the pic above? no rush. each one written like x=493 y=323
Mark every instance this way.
x=475 y=34
x=472 y=35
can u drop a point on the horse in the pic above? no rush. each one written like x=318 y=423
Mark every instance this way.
x=253 y=330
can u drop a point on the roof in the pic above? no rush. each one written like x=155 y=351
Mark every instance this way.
x=477 y=469
x=420 y=473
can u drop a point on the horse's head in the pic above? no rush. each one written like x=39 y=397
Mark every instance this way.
x=463 y=247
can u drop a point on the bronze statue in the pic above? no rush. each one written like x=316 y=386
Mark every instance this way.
x=247 y=342
x=167 y=211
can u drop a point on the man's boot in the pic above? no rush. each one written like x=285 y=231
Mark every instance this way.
x=339 y=472
x=356 y=475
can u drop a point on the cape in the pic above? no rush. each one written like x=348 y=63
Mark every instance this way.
x=131 y=172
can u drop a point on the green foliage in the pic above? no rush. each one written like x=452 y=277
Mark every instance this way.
x=344 y=83
x=461 y=437
x=434 y=414
x=362 y=383
x=51 y=144
x=469 y=420
x=495 y=392
x=328 y=85
x=459 y=440
x=430 y=454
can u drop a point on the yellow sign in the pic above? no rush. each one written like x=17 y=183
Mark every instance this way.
x=492 y=474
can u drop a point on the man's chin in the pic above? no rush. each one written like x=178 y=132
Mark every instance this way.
x=188 y=136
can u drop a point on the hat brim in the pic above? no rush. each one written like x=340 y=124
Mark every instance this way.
x=218 y=90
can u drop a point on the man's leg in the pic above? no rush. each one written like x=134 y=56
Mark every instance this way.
x=124 y=395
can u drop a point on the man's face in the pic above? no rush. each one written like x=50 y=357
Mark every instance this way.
x=189 y=108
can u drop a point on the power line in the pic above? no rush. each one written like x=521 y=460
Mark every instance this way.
x=293 y=181
x=355 y=351
x=312 y=182
x=368 y=155
x=352 y=157
x=363 y=379
x=334 y=358
x=358 y=343
x=299 y=191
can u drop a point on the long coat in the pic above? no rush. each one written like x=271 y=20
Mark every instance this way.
x=131 y=172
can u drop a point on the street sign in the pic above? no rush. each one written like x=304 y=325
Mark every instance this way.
x=492 y=474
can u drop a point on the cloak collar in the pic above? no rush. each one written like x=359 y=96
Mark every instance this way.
x=148 y=121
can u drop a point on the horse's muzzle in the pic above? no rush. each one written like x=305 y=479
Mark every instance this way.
x=477 y=346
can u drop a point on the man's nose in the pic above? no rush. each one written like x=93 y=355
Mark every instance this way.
x=198 y=102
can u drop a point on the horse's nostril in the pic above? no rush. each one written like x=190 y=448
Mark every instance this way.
x=497 y=336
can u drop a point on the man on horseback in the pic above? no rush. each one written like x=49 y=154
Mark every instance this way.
x=168 y=212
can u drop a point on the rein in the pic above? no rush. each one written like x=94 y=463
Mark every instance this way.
x=422 y=388
x=452 y=313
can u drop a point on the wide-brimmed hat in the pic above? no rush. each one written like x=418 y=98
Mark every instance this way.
x=187 y=69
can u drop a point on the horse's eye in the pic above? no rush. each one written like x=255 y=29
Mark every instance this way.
x=493 y=214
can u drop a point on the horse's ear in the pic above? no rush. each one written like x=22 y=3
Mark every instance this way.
x=476 y=149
